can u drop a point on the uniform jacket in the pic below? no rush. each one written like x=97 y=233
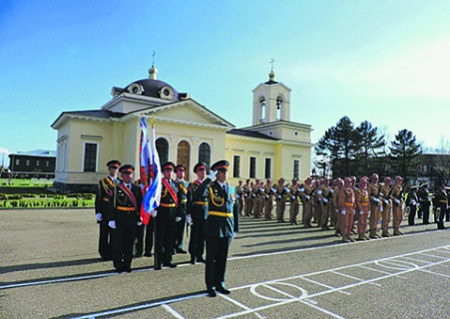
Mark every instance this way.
x=198 y=200
x=105 y=190
x=121 y=202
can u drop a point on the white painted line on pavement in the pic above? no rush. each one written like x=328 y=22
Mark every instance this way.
x=434 y=273
x=172 y=312
x=239 y=304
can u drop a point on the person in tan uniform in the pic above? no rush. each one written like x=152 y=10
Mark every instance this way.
x=397 y=202
x=269 y=192
x=363 y=207
x=247 y=198
x=306 y=193
x=385 y=193
x=281 y=191
x=347 y=207
x=317 y=210
x=375 y=205
x=240 y=193
x=258 y=199
x=294 y=203
x=336 y=212
x=324 y=199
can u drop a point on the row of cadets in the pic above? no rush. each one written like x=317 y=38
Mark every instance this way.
x=105 y=189
x=269 y=193
x=123 y=208
x=280 y=196
x=294 y=203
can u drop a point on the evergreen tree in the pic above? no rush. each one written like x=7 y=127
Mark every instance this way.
x=405 y=153
x=369 y=148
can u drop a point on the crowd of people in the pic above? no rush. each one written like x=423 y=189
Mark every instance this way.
x=209 y=207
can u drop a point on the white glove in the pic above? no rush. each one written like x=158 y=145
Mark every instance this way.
x=293 y=197
x=376 y=200
x=325 y=200
x=212 y=175
x=99 y=217
x=287 y=190
x=397 y=201
x=319 y=192
x=177 y=219
x=250 y=189
x=308 y=197
x=189 y=219
x=153 y=213
x=361 y=212
x=279 y=196
x=245 y=195
x=139 y=223
x=343 y=212
x=331 y=190
x=273 y=190
x=386 y=201
x=413 y=202
x=336 y=211
x=368 y=215
x=302 y=189
x=112 y=224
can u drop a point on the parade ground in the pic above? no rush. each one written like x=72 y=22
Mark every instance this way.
x=50 y=268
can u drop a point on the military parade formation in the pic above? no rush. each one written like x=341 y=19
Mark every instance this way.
x=208 y=209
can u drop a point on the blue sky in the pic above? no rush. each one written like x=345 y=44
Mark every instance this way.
x=387 y=62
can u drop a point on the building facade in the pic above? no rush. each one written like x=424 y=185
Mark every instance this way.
x=37 y=164
x=186 y=132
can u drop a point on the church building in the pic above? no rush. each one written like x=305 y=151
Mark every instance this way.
x=186 y=133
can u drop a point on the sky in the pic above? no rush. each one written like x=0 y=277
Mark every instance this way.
x=387 y=62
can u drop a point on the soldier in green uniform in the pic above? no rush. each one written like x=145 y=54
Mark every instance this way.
x=180 y=220
x=124 y=206
x=105 y=189
x=221 y=224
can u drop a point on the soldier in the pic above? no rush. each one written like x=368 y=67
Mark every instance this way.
x=411 y=202
x=308 y=204
x=385 y=195
x=221 y=225
x=397 y=211
x=248 y=187
x=294 y=203
x=105 y=189
x=240 y=193
x=124 y=207
x=317 y=214
x=324 y=201
x=269 y=192
x=425 y=203
x=347 y=207
x=442 y=205
x=165 y=218
x=375 y=205
x=198 y=212
x=180 y=220
x=362 y=204
x=335 y=200
x=258 y=198
x=281 y=191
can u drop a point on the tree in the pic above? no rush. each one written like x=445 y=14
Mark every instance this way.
x=370 y=147
x=405 y=153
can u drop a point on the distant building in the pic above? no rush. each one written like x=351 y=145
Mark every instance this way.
x=186 y=133
x=38 y=163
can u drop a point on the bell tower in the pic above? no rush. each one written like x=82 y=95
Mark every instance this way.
x=271 y=101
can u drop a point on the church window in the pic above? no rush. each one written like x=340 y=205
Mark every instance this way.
x=252 y=167
x=90 y=157
x=184 y=156
x=296 y=169
x=236 y=166
x=204 y=153
x=268 y=168
x=279 y=105
x=262 y=102
x=162 y=146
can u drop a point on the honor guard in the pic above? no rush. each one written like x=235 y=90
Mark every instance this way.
x=165 y=218
x=335 y=199
x=374 y=191
x=412 y=201
x=124 y=215
x=248 y=187
x=397 y=202
x=442 y=205
x=180 y=220
x=347 y=207
x=308 y=201
x=197 y=213
x=269 y=193
x=240 y=194
x=325 y=200
x=281 y=191
x=294 y=203
x=425 y=203
x=221 y=225
x=105 y=190
x=258 y=199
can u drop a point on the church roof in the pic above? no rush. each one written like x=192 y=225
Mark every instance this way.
x=247 y=133
x=102 y=114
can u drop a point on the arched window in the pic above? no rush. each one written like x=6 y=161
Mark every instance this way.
x=184 y=156
x=162 y=146
x=262 y=103
x=279 y=105
x=204 y=154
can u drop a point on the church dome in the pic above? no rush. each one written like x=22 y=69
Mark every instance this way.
x=153 y=88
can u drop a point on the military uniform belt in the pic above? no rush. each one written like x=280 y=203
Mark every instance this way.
x=200 y=203
x=126 y=209
x=220 y=214
x=443 y=201
x=168 y=205
x=364 y=204
x=184 y=200
x=105 y=199
x=349 y=204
